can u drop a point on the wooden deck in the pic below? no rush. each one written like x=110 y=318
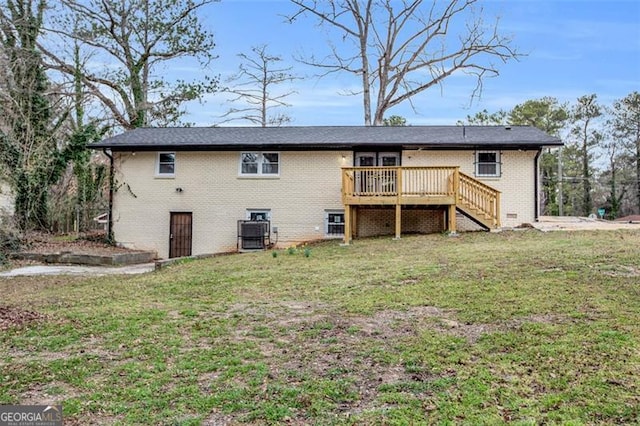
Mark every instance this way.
x=418 y=186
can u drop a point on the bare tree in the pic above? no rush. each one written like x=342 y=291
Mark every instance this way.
x=255 y=84
x=402 y=48
x=129 y=42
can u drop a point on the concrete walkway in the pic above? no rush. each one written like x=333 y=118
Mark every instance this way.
x=87 y=271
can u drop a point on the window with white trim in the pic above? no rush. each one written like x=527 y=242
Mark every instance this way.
x=488 y=163
x=334 y=222
x=260 y=163
x=258 y=214
x=166 y=164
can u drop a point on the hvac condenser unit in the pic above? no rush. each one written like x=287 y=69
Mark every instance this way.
x=253 y=234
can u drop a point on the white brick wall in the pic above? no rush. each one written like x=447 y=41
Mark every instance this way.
x=517 y=183
x=381 y=221
x=309 y=183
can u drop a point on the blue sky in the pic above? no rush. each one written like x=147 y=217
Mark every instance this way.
x=573 y=47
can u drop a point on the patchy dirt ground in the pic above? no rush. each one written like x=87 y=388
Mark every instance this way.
x=298 y=338
x=15 y=317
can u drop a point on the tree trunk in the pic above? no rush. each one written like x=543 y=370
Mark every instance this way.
x=615 y=202
x=586 y=197
x=263 y=106
x=366 y=85
x=638 y=174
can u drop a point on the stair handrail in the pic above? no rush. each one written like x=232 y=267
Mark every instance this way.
x=480 y=196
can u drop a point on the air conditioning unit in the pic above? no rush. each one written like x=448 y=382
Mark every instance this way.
x=253 y=234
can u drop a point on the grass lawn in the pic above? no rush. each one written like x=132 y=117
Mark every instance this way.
x=515 y=327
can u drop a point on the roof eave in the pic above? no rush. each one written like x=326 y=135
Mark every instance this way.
x=324 y=147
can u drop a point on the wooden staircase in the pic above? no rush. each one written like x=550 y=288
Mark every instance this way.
x=478 y=202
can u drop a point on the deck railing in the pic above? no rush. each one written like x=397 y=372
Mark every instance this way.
x=483 y=198
x=398 y=181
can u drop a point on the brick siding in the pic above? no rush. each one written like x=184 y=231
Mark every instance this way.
x=309 y=184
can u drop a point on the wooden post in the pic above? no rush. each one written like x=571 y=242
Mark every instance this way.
x=456 y=183
x=451 y=210
x=498 y=210
x=344 y=185
x=347 y=224
x=451 y=219
x=354 y=222
x=398 y=203
x=398 y=221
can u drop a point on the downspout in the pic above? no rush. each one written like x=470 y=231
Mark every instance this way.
x=536 y=185
x=111 y=185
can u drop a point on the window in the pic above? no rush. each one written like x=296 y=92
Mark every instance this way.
x=487 y=163
x=260 y=163
x=388 y=159
x=258 y=214
x=335 y=223
x=371 y=159
x=166 y=164
x=365 y=159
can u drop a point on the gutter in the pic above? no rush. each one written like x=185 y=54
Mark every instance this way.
x=319 y=146
x=536 y=185
x=111 y=186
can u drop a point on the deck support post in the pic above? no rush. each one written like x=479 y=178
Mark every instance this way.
x=451 y=219
x=451 y=214
x=497 y=212
x=399 y=186
x=347 y=224
x=354 y=221
x=398 y=221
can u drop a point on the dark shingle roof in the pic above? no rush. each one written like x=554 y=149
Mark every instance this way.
x=328 y=137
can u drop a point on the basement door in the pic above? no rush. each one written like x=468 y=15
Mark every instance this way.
x=180 y=234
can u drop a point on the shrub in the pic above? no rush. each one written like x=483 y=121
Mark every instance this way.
x=10 y=241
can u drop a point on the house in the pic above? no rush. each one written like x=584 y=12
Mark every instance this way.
x=184 y=191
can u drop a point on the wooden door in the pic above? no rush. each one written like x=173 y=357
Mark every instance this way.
x=180 y=234
x=365 y=181
x=376 y=182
